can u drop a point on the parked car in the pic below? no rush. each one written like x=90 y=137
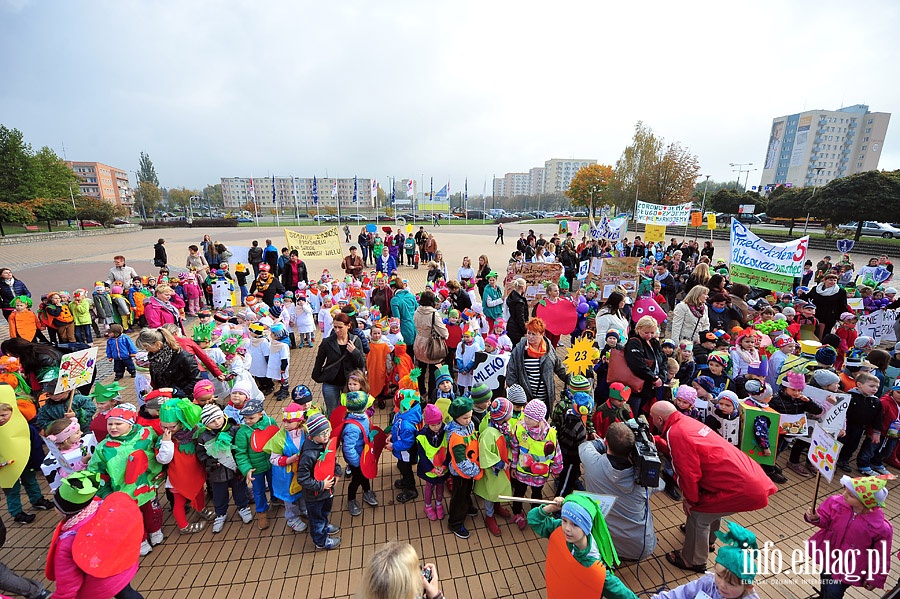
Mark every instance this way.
x=354 y=217
x=873 y=228
x=87 y=224
x=747 y=219
x=244 y=219
x=120 y=221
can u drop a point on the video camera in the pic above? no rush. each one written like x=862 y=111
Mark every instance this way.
x=644 y=458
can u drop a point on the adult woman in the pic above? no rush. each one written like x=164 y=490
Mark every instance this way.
x=492 y=300
x=427 y=324
x=830 y=301
x=394 y=573
x=207 y=247
x=481 y=276
x=645 y=359
x=716 y=283
x=720 y=312
x=170 y=365
x=517 y=306
x=690 y=316
x=381 y=296
x=430 y=247
x=612 y=318
x=266 y=286
x=439 y=258
x=160 y=259
x=163 y=307
x=534 y=362
x=35 y=360
x=198 y=262
x=549 y=254
x=10 y=288
x=385 y=263
x=338 y=356
x=708 y=250
x=738 y=294
x=363 y=242
x=465 y=272
x=223 y=252
x=699 y=276
x=458 y=298
x=293 y=272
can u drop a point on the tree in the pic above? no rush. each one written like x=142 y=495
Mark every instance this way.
x=50 y=176
x=710 y=188
x=146 y=171
x=14 y=213
x=88 y=208
x=212 y=194
x=789 y=202
x=182 y=197
x=51 y=209
x=16 y=176
x=149 y=197
x=589 y=187
x=873 y=195
x=730 y=201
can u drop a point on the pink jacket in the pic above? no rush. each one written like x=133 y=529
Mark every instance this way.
x=845 y=531
x=73 y=583
x=157 y=315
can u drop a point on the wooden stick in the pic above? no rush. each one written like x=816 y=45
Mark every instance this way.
x=816 y=492
x=524 y=500
x=71 y=399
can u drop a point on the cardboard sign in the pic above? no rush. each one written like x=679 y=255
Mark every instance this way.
x=583 y=269
x=879 y=325
x=617 y=271
x=654 y=233
x=823 y=452
x=76 y=369
x=489 y=368
x=326 y=244
x=696 y=219
x=834 y=417
x=763 y=423
x=534 y=274
x=711 y=221
x=794 y=425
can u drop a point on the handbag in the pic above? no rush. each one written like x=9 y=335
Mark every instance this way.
x=619 y=372
x=436 y=346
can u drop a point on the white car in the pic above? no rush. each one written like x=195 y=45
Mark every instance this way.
x=324 y=218
x=872 y=228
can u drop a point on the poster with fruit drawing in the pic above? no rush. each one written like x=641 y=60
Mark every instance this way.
x=823 y=452
x=76 y=369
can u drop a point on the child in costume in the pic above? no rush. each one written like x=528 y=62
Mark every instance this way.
x=717 y=365
x=516 y=394
x=353 y=438
x=57 y=406
x=106 y=397
x=240 y=393
x=214 y=450
x=725 y=418
x=580 y=555
x=481 y=396
x=535 y=455
x=148 y=413
x=863 y=418
x=745 y=352
x=289 y=316
x=394 y=336
x=504 y=343
x=325 y=317
x=759 y=396
x=404 y=429
x=431 y=447
x=616 y=409
x=185 y=475
x=379 y=363
x=258 y=353
x=284 y=453
x=685 y=401
x=873 y=455
x=61 y=318
x=851 y=522
x=279 y=360
x=23 y=323
x=102 y=305
x=80 y=308
x=317 y=494
x=462 y=445
x=222 y=289
x=192 y=292
x=304 y=323
x=573 y=427
x=127 y=459
x=251 y=459
x=19 y=462
x=120 y=350
x=493 y=457
x=68 y=451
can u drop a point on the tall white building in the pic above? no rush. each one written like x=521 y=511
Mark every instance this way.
x=558 y=172
x=291 y=192
x=554 y=177
x=814 y=147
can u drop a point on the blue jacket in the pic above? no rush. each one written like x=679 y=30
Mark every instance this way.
x=352 y=439
x=403 y=433
x=121 y=347
x=391 y=265
x=403 y=306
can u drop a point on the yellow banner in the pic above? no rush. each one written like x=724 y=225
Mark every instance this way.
x=711 y=221
x=324 y=245
x=654 y=233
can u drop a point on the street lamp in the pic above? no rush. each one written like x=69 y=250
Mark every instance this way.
x=740 y=169
x=818 y=170
x=702 y=204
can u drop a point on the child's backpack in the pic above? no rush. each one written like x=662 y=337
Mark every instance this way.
x=374 y=442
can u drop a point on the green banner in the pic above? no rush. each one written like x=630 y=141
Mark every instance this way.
x=761 y=279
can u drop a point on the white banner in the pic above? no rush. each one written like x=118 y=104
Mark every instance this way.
x=878 y=325
x=489 y=368
x=613 y=230
x=834 y=416
x=750 y=251
x=659 y=214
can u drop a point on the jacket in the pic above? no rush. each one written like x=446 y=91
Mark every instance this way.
x=181 y=373
x=288 y=279
x=159 y=255
x=215 y=471
x=83 y=406
x=607 y=321
x=387 y=265
x=313 y=490
x=550 y=365
x=404 y=306
x=244 y=455
x=333 y=362
x=492 y=299
x=157 y=315
x=352 y=439
x=782 y=403
x=714 y=476
x=81 y=311
x=864 y=411
x=403 y=434
x=9 y=292
x=518 y=316
x=268 y=296
x=120 y=348
x=890 y=412
x=255 y=255
x=686 y=326
x=424 y=317
x=637 y=355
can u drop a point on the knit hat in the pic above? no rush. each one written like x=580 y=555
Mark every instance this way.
x=583 y=403
x=864 y=342
x=516 y=394
x=357 y=401
x=794 y=380
x=669 y=343
x=783 y=341
x=758 y=389
x=686 y=393
x=293 y=412
x=536 y=410
x=706 y=383
x=500 y=323
x=738 y=540
x=481 y=393
x=501 y=409
x=317 y=424
x=718 y=358
x=707 y=336
x=125 y=412
x=846 y=316
x=826 y=355
x=730 y=396
x=491 y=340
x=613 y=333
x=210 y=412
x=460 y=406
x=760 y=368
x=252 y=406
x=822 y=378
x=619 y=391
x=870 y=490
x=433 y=414
x=76 y=491
x=578 y=383
x=241 y=387
x=442 y=374
x=203 y=388
x=855 y=358
x=789 y=311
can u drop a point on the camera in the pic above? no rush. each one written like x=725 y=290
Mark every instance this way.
x=644 y=457
x=426 y=574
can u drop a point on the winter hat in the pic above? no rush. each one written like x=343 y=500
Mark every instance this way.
x=578 y=383
x=706 y=383
x=536 y=410
x=738 y=541
x=460 y=406
x=822 y=378
x=500 y=323
x=870 y=490
x=204 y=387
x=583 y=403
x=847 y=316
x=613 y=333
x=501 y=409
x=783 y=341
x=125 y=412
x=252 y=406
x=794 y=380
x=357 y=401
x=241 y=387
x=864 y=342
x=491 y=340
x=76 y=491
x=317 y=424
x=789 y=311
x=758 y=389
x=210 y=412
x=686 y=393
x=668 y=343
x=293 y=412
x=619 y=391
x=759 y=368
x=854 y=359
x=516 y=394
x=442 y=374
x=890 y=291
x=481 y=393
x=826 y=355
x=718 y=358
x=730 y=396
x=578 y=516
x=433 y=414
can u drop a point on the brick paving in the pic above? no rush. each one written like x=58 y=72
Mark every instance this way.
x=243 y=561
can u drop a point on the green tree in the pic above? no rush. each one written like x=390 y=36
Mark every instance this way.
x=50 y=176
x=146 y=170
x=730 y=201
x=789 y=202
x=589 y=187
x=88 y=208
x=873 y=195
x=16 y=176
x=149 y=198
x=14 y=213
x=212 y=195
x=51 y=209
x=181 y=198
x=711 y=188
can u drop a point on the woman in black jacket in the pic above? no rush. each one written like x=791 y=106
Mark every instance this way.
x=644 y=357
x=170 y=365
x=160 y=259
x=484 y=269
x=338 y=356
x=830 y=301
x=518 y=312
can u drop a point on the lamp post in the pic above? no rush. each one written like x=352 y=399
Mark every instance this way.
x=702 y=205
x=818 y=170
x=740 y=169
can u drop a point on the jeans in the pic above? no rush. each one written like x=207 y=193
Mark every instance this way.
x=294 y=509
x=10 y=582
x=259 y=481
x=120 y=365
x=364 y=249
x=83 y=334
x=332 y=395
x=874 y=454
x=832 y=589
x=238 y=491
x=32 y=489
x=319 y=512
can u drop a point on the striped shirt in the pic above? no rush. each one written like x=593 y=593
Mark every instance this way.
x=533 y=374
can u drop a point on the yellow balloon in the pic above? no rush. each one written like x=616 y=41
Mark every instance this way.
x=409 y=228
x=15 y=441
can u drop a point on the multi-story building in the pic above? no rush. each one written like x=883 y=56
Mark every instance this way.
x=536 y=181
x=103 y=182
x=291 y=192
x=499 y=185
x=517 y=184
x=814 y=147
x=558 y=173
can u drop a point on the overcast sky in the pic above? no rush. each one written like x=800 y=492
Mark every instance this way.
x=448 y=89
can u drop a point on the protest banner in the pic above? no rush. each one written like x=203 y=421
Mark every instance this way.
x=748 y=251
x=76 y=369
x=696 y=219
x=613 y=230
x=654 y=233
x=326 y=244
x=490 y=369
x=823 y=452
x=753 y=420
x=659 y=214
x=583 y=267
x=534 y=273
x=761 y=279
x=879 y=325
x=616 y=271
x=834 y=415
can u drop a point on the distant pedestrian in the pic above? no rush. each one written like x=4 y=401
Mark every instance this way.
x=499 y=234
x=160 y=259
x=347 y=233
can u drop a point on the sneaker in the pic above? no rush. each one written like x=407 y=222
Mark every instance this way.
x=353 y=507
x=156 y=537
x=845 y=466
x=867 y=472
x=347 y=472
x=429 y=512
x=246 y=515
x=45 y=595
x=24 y=518
x=501 y=511
x=219 y=524
x=42 y=505
x=145 y=548
x=439 y=510
x=880 y=470
x=777 y=478
x=492 y=525
x=519 y=520
x=461 y=532
x=398 y=484
x=332 y=529
x=473 y=511
x=370 y=498
x=330 y=543
x=297 y=525
x=407 y=495
x=800 y=468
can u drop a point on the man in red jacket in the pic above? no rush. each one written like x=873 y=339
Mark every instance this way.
x=716 y=479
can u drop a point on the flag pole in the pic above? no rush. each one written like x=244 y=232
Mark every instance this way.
x=275 y=201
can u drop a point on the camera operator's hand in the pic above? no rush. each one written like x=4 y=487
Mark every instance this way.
x=432 y=590
x=555 y=506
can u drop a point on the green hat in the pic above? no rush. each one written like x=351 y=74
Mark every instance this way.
x=443 y=372
x=563 y=282
x=408 y=398
x=103 y=392
x=182 y=411
x=492 y=274
x=481 y=393
x=460 y=406
x=49 y=374
x=578 y=382
x=202 y=332
x=599 y=531
x=22 y=298
x=737 y=540
x=76 y=491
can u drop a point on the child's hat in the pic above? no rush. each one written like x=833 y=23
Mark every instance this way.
x=585 y=513
x=686 y=393
x=301 y=394
x=204 y=387
x=847 y=316
x=182 y=411
x=730 y=396
x=257 y=329
x=760 y=368
x=516 y=394
x=665 y=343
x=407 y=399
x=719 y=358
x=578 y=383
x=481 y=393
x=241 y=387
x=501 y=409
x=823 y=377
x=210 y=412
x=788 y=311
x=809 y=347
x=864 y=342
x=536 y=410
x=501 y=323
x=317 y=424
x=739 y=542
x=394 y=322
x=103 y=392
x=583 y=403
x=707 y=336
x=491 y=340
x=826 y=355
x=706 y=383
x=794 y=380
x=76 y=491
x=293 y=412
x=357 y=401
x=460 y=406
x=783 y=341
x=619 y=392
x=758 y=389
x=443 y=374
x=252 y=406
x=433 y=414
x=855 y=358
x=613 y=333
x=125 y=412
x=453 y=313
x=279 y=331
x=870 y=490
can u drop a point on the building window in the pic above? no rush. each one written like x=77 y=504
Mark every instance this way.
x=868 y=129
x=870 y=121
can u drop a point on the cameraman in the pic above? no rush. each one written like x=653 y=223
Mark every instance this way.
x=609 y=471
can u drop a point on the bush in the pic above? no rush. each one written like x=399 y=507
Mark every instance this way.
x=507 y=219
x=197 y=224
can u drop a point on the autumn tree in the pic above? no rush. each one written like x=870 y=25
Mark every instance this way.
x=149 y=197
x=212 y=194
x=14 y=213
x=51 y=209
x=88 y=208
x=589 y=187
x=181 y=197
